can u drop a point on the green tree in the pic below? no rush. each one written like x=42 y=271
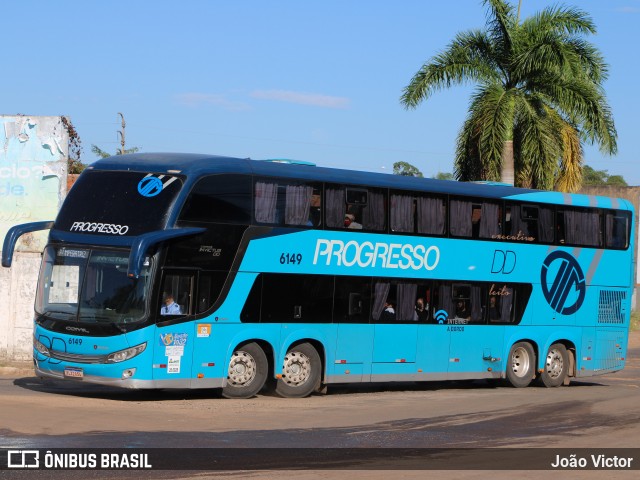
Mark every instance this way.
x=444 y=176
x=102 y=154
x=406 y=169
x=539 y=96
x=601 y=177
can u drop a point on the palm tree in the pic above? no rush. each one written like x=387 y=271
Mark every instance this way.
x=539 y=96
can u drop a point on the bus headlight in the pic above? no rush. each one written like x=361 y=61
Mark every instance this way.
x=39 y=346
x=126 y=354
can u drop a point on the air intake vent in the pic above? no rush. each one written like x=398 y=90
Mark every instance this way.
x=611 y=309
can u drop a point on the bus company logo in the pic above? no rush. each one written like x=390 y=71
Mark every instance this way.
x=566 y=290
x=369 y=254
x=151 y=186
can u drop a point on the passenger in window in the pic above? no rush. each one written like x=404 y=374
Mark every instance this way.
x=422 y=310
x=350 y=222
x=476 y=216
x=389 y=312
x=494 y=311
x=170 y=306
x=314 y=211
x=462 y=310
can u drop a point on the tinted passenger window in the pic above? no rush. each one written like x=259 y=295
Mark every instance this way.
x=579 y=227
x=281 y=202
x=219 y=198
x=209 y=288
x=415 y=213
x=356 y=208
x=475 y=219
x=352 y=302
x=456 y=303
x=296 y=298
x=529 y=223
x=617 y=230
x=400 y=300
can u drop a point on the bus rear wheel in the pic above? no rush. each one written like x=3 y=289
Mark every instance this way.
x=301 y=372
x=555 y=366
x=521 y=367
x=247 y=372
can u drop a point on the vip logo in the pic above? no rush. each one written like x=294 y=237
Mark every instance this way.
x=563 y=282
x=151 y=186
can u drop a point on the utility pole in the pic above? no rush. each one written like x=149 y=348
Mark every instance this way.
x=121 y=133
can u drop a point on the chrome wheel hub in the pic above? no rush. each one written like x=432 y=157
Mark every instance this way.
x=296 y=368
x=242 y=369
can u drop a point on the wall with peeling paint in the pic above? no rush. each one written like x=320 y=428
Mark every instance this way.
x=33 y=184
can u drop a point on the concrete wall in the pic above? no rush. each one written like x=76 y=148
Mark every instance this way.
x=33 y=184
x=633 y=195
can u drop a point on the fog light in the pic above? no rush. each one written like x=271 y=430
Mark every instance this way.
x=128 y=373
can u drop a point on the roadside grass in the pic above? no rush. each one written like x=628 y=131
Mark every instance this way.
x=635 y=320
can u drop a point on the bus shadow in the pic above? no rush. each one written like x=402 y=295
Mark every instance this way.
x=86 y=390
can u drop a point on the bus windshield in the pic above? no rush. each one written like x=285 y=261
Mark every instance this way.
x=86 y=285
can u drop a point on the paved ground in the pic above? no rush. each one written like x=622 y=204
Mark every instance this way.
x=594 y=413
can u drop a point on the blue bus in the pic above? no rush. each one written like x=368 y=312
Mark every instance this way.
x=195 y=271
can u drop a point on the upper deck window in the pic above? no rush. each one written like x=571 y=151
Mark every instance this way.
x=617 y=229
x=579 y=227
x=219 y=199
x=356 y=208
x=417 y=213
x=474 y=219
x=529 y=223
x=287 y=202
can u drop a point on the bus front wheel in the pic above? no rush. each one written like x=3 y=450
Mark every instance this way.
x=301 y=372
x=521 y=367
x=555 y=366
x=247 y=372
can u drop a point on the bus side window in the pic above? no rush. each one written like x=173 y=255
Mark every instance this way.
x=209 y=286
x=352 y=299
x=501 y=303
x=177 y=293
x=617 y=230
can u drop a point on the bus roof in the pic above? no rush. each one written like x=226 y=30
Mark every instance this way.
x=194 y=166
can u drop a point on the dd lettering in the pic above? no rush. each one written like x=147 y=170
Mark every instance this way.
x=503 y=262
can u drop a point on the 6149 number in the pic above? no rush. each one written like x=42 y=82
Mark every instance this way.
x=291 y=258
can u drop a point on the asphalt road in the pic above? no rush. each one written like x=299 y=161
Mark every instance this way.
x=596 y=414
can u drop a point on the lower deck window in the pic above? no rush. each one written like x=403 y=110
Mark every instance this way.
x=284 y=298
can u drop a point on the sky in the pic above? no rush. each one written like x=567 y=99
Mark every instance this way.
x=318 y=81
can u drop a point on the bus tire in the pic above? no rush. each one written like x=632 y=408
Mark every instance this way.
x=522 y=365
x=301 y=372
x=556 y=366
x=247 y=372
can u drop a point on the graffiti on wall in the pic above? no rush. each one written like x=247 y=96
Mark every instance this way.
x=33 y=173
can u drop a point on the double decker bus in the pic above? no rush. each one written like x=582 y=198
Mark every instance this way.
x=194 y=271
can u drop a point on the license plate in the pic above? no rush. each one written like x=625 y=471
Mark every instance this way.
x=73 y=372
